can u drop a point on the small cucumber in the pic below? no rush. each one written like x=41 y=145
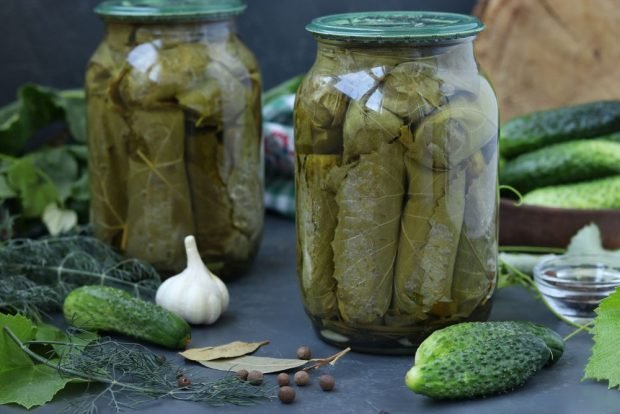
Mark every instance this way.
x=104 y=308
x=603 y=193
x=476 y=359
x=539 y=129
x=564 y=163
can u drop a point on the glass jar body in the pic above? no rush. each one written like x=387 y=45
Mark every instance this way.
x=396 y=186
x=174 y=139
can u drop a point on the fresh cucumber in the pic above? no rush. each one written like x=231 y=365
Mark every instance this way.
x=539 y=129
x=481 y=358
x=563 y=163
x=104 y=308
x=603 y=193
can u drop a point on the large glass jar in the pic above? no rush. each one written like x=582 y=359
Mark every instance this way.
x=396 y=179
x=174 y=134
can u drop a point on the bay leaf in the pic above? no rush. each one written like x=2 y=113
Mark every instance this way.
x=230 y=350
x=265 y=365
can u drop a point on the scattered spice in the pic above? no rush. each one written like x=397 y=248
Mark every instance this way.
x=303 y=352
x=286 y=394
x=243 y=374
x=283 y=379
x=255 y=377
x=183 y=381
x=327 y=382
x=302 y=378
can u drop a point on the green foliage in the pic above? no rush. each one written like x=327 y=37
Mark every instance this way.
x=35 y=172
x=21 y=380
x=36 y=275
x=605 y=359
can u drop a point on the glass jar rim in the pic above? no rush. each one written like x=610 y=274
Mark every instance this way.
x=166 y=10
x=396 y=26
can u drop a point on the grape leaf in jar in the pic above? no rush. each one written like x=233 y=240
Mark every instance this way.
x=159 y=213
x=365 y=130
x=369 y=195
x=316 y=220
x=430 y=231
x=446 y=138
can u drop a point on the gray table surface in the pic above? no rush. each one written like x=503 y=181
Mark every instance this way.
x=265 y=304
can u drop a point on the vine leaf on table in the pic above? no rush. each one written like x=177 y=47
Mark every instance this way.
x=21 y=380
x=605 y=359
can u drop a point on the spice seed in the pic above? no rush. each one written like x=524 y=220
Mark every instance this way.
x=255 y=377
x=286 y=394
x=303 y=352
x=327 y=382
x=283 y=379
x=302 y=378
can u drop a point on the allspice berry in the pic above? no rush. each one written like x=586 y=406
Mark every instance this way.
x=255 y=377
x=183 y=382
x=303 y=352
x=286 y=394
x=302 y=378
x=327 y=382
x=283 y=379
x=243 y=374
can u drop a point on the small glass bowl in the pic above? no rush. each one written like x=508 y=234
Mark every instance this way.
x=575 y=285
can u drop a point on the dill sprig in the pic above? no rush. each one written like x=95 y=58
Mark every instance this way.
x=132 y=375
x=36 y=275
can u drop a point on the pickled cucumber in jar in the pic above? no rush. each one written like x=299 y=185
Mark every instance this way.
x=396 y=182
x=174 y=136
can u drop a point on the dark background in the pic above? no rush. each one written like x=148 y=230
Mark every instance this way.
x=50 y=41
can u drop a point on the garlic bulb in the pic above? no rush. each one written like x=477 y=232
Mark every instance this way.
x=195 y=294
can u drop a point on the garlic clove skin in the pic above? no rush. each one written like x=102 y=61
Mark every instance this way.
x=195 y=294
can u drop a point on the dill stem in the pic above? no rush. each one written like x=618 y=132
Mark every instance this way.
x=78 y=374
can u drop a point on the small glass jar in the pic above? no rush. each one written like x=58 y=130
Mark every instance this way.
x=396 y=179
x=174 y=134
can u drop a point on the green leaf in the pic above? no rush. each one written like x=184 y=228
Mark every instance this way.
x=60 y=165
x=51 y=333
x=35 y=190
x=5 y=189
x=30 y=386
x=37 y=106
x=21 y=381
x=74 y=104
x=12 y=356
x=605 y=359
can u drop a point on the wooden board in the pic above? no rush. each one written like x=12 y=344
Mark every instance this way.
x=542 y=54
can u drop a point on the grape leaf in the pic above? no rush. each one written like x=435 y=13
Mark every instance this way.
x=21 y=381
x=605 y=359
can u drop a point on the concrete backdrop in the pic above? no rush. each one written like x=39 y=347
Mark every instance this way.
x=50 y=41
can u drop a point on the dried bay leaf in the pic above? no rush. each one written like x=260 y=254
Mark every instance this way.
x=265 y=365
x=230 y=350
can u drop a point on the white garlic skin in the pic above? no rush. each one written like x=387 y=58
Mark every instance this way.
x=195 y=294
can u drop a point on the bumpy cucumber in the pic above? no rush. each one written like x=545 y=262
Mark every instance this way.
x=539 y=129
x=481 y=358
x=568 y=162
x=603 y=193
x=108 y=309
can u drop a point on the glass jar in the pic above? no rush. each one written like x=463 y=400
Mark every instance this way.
x=174 y=134
x=396 y=179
